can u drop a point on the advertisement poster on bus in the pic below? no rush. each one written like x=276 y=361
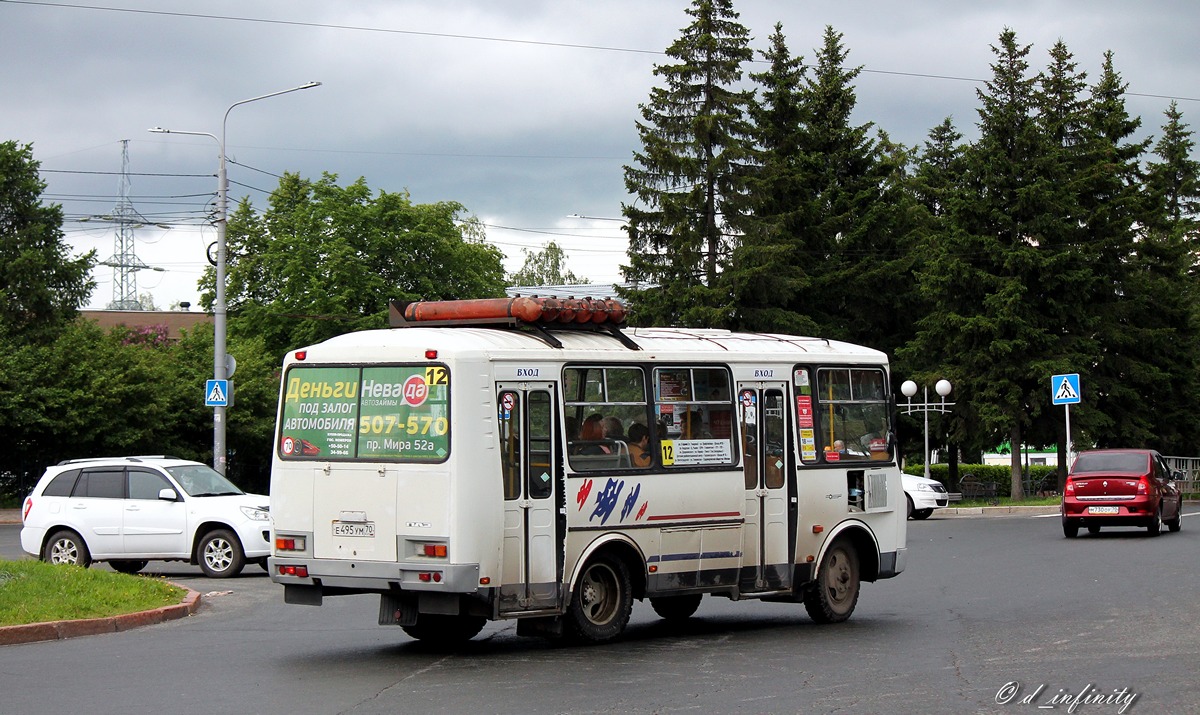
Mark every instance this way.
x=387 y=413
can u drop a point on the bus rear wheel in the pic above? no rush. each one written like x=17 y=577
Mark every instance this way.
x=602 y=601
x=833 y=597
x=439 y=629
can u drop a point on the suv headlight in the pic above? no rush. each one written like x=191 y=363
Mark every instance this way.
x=256 y=513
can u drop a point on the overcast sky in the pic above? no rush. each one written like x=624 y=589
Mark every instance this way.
x=521 y=110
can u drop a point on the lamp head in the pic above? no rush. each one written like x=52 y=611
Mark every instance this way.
x=943 y=387
x=909 y=388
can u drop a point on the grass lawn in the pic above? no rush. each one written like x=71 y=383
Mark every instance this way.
x=1009 y=501
x=35 y=592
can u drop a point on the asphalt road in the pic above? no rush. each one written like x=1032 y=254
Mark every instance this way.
x=993 y=615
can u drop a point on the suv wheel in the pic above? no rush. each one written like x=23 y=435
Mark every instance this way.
x=220 y=554
x=65 y=547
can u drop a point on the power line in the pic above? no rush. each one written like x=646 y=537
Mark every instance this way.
x=117 y=173
x=331 y=26
x=482 y=38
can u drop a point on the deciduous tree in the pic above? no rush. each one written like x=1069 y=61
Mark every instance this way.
x=41 y=285
x=325 y=259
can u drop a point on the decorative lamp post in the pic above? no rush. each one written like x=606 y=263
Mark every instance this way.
x=943 y=387
x=221 y=360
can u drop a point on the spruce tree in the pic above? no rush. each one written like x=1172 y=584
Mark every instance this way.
x=771 y=265
x=857 y=248
x=1111 y=211
x=982 y=278
x=1173 y=182
x=1164 y=324
x=1066 y=290
x=689 y=172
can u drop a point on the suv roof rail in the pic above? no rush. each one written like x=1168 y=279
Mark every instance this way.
x=134 y=458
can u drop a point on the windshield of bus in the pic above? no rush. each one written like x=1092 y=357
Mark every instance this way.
x=853 y=411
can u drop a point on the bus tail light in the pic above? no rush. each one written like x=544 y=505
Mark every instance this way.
x=289 y=543
x=434 y=550
x=293 y=570
x=301 y=354
x=428 y=576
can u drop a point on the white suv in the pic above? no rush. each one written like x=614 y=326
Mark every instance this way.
x=130 y=510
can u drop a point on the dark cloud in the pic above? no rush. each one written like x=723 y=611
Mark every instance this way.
x=522 y=111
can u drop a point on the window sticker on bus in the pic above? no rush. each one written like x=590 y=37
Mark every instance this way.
x=320 y=412
x=674 y=386
x=679 y=452
x=808 y=445
x=413 y=424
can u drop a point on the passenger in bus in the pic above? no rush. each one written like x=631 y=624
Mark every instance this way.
x=839 y=446
x=613 y=429
x=592 y=434
x=639 y=445
x=693 y=426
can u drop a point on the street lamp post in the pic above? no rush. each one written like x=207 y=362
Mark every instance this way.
x=220 y=357
x=943 y=387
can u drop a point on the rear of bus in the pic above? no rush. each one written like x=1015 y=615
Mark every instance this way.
x=361 y=493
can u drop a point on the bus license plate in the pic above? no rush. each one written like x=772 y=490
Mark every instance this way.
x=358 y=528
x=1104 y=510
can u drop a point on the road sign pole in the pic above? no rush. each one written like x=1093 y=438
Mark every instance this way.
x=1064 y=390
x=1069 y=448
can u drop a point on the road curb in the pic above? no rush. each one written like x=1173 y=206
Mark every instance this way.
x=58 y=630
x=995 y=510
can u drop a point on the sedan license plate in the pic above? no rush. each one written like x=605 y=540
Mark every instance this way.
x=1104 y=510
x=355 y=528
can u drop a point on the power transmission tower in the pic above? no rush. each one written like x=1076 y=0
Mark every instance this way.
x=124 y=260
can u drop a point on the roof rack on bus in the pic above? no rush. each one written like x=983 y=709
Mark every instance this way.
x=539 y=315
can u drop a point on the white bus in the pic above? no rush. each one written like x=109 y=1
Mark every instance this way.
x=505 y=459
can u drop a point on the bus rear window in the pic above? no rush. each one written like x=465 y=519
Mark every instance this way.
x=378 y=413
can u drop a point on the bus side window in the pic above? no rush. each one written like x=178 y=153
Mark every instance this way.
x=605 y=402
x=540 y=473
x=510 y=443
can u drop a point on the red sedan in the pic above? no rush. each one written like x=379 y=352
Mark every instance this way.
x=1121 y=487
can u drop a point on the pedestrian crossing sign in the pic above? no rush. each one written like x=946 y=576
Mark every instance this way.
x=1064 y=389
x=216 y=393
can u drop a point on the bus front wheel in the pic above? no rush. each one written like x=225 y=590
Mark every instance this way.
x=833 y=597
x=601 y=602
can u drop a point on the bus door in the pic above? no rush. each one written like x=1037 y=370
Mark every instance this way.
x=532 y=551
x=766 y=462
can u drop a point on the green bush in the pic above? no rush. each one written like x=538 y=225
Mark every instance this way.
x=999 y=474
